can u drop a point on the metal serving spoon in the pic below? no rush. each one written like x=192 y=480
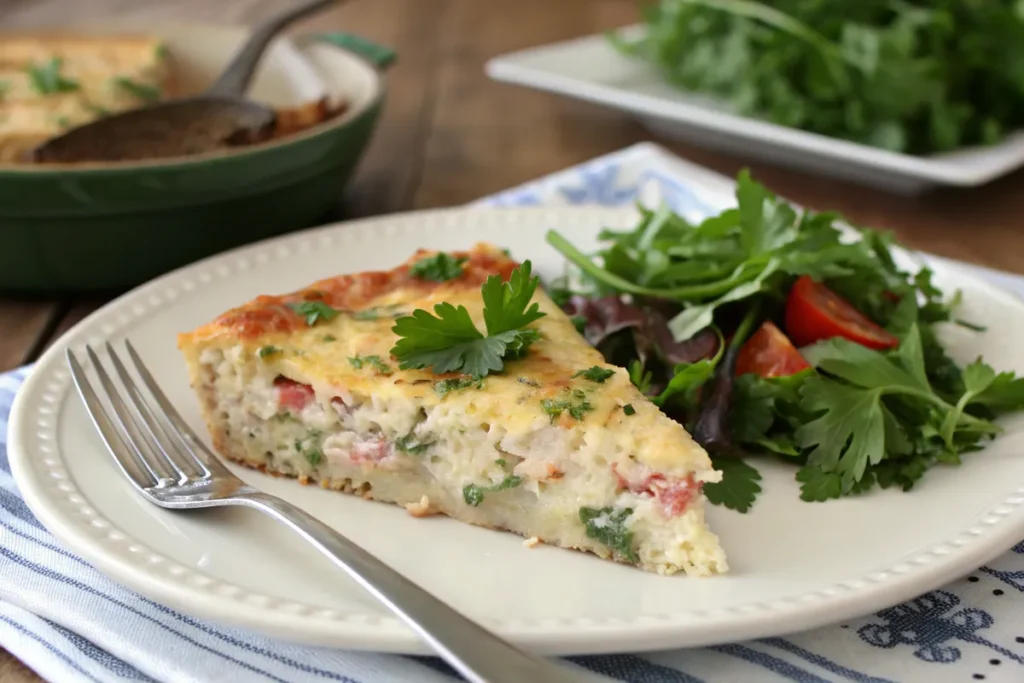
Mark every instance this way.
x=220 y=116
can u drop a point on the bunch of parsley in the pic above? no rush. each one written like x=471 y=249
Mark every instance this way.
x=904 y=75
x=857 y=419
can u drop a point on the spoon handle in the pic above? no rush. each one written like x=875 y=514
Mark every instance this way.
x=236 y=77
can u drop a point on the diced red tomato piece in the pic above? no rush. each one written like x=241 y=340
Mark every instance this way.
x=769 y=353
x=291 y=394
x=814 y=312
x=674 y=495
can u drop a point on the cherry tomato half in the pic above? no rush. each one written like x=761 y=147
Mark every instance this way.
x=769 y=353
x=814 y=312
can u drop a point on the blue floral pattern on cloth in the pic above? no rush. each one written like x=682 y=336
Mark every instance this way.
x=72 y=624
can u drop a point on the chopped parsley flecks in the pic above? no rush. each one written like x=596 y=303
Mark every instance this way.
x=4 y=87
x=577 y=406
x=314 y=456
x=595 y=374
x=313 y=311
x=47 y=79
x=160 y=51
x=267 y=351
x=63 y=121
x=309 y=448
x=412 y=444
x=628 y=409
x=608 y=526
x=358 y=362
x=474 y=495
x=146 y=93
x=500 y=462
x=96 y=109
x=446 y=386
x=438 y=268
x=579 y=322
x=329 y=338
x=377 y=312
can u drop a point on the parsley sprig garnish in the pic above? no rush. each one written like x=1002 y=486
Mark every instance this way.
x=450 y=342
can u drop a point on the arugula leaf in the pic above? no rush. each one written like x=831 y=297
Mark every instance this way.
x=450 y=342
x=47 y=79
x=438 y=268
x=313 y=311
x=595 y=374
x=738 y=489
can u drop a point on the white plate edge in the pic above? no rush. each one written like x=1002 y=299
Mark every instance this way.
x=589 y=637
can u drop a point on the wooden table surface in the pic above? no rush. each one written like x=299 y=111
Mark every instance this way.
x=450 y=135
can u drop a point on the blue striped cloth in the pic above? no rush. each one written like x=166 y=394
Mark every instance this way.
x=72 y=624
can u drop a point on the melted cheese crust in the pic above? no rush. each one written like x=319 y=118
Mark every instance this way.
x=318 y=355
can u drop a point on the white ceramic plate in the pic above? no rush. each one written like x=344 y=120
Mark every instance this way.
x=591 y=69
x=795 y=565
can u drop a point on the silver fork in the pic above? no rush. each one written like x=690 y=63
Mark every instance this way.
x=169 y=465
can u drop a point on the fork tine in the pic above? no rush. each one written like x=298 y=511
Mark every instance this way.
x=185 y=467
x=136 y=439
x=188 y=438
x=141 y=475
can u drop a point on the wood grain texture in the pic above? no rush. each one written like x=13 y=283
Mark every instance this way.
x=449 y=135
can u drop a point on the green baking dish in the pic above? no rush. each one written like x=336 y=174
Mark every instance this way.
x=103 y=227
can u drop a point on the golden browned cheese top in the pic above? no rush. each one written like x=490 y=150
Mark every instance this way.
x=351 y=354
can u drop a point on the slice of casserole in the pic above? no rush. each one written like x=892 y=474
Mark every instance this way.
x=559 y=446
x=50 y=83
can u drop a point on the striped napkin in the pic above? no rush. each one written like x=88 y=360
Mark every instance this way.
x=71 y=624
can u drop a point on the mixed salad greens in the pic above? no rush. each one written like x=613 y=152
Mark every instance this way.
x=914 y=76
x=770 y=333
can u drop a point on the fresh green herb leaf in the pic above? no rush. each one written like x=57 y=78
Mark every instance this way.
x=500 y=462
x=377 y=312
x=412 y=444
x=474 y=494
x=917 y=78
x=640 y=376
x=329 y=338
x=595 y=374
x=358 y=362
x=610 y=527
x=450 y=342
x=446 y=386
x=62 y=121
x=146 y=93
x=314 y=456
x=313 y=311
x=438 y=268
x=266 y=351
x=739 y=486
x=576 y=405
x=579 y=322
x=47 y=79
x=629 y=410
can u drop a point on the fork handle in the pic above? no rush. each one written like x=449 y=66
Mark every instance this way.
x=477 y=654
